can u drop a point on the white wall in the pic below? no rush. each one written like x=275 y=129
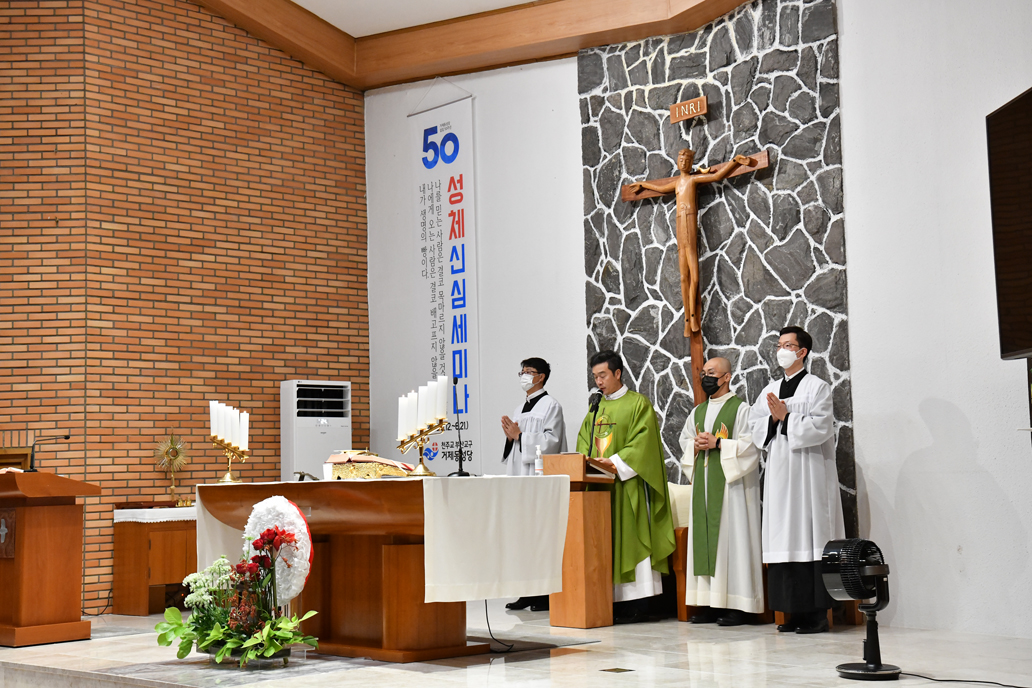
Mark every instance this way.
x=944 y=477
x=530 y=250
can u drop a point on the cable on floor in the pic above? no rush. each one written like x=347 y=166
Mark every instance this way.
x=508 y=646
x=960 y=680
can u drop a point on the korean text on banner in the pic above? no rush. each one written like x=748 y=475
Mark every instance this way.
x=442 y=160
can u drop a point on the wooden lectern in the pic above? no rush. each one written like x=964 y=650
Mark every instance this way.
x=41 y=541
x=586 y=600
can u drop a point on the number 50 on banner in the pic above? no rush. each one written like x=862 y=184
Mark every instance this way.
x=440 y=151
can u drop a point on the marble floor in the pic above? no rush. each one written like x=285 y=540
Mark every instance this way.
x=123 y=652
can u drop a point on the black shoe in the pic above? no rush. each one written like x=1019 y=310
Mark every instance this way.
x=818 y=625
x=789 y=626
x=521 y=603
x=539 y=606
x=632 y=618
x=704 y=615
x=732 y=617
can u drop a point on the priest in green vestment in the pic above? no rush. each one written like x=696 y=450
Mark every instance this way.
x=626 y=438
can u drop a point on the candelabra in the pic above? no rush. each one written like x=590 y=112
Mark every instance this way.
x=419 y=440
x=233 y=453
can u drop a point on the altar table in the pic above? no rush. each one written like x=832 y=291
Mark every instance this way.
x=397 y=559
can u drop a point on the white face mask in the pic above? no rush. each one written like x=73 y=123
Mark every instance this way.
x=526 y=382
x=786 y=358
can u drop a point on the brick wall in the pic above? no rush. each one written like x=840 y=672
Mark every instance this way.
x=222 y=241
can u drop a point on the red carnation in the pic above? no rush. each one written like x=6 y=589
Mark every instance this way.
x=241 y=568
x=267 y=562
x=257 y=558
x=252 y=568
x=257 y=544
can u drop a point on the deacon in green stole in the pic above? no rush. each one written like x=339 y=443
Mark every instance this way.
x=724 y=577
x=627 y=440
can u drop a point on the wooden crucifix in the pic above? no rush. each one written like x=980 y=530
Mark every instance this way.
x=685 y=188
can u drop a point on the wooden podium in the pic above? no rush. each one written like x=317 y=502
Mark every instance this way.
x=586 y=600
x=41 y=541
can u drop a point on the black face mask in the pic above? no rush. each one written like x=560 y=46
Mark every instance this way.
x=710 y=385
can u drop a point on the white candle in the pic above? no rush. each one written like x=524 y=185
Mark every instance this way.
x=431 y=402
x=442 y=396
x=413 y=417
x=234 y=426
x=211 y=421
x=402 y=413
x=245 y=420
x=421 y=413
x=218 y=419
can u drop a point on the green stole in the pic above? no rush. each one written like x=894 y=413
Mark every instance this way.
x=708 y=494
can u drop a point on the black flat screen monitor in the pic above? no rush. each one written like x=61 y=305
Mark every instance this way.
x=1009 y=133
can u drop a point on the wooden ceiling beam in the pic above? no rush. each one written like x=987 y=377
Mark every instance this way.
x=525 y=33
x=296 y=31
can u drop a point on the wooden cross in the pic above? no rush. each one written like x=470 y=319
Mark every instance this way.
x=685 y=188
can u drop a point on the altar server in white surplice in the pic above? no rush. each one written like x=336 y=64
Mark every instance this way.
x=537 y=421
x=793 y=421
x=724 y=575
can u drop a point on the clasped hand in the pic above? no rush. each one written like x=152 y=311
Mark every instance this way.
x=778 y=408
x=511 y=429
x=704 y=441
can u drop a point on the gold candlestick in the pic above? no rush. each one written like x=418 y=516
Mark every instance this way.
x=232 y=453
x=419 y=440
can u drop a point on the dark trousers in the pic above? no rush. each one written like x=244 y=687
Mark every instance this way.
x=796 y=587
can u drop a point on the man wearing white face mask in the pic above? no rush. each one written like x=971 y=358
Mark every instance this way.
x=793 y=422
x=538 y=422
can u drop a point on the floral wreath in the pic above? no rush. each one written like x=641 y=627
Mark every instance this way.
x=268 y=532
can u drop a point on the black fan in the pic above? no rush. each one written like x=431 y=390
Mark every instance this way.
x=855 y=569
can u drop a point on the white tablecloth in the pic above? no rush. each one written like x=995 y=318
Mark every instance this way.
x=160 y=515
x=484 y=538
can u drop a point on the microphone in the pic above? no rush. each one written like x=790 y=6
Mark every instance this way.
x=43 y=440
x=595 y=400
x=455 y=396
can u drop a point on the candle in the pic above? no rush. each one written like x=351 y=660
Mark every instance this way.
x=211 y=413
x=431 y=402
x=234 y=427
x=402 y=413
x=218 y=419
x=245 y=420
x=442 y=396
x=413 y=418
x=421 y=412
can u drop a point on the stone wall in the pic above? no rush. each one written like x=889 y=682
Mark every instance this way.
x=771 y=244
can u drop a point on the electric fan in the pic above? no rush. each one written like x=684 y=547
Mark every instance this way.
x=855 y=569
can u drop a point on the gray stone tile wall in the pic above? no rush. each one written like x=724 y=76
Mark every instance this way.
x=771 y=244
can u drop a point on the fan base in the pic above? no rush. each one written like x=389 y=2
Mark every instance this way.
x=861 y=671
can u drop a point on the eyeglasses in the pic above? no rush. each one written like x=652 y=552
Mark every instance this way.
x=528 y=372
x=789 y=345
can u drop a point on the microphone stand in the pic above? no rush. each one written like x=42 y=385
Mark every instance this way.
x=458 y=428
x=42 y=440
x=594 y=412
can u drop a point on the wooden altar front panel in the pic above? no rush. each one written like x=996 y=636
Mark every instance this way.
x=149 y=556
x=367 y=570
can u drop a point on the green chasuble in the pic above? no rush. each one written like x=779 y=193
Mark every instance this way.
x=642 y=524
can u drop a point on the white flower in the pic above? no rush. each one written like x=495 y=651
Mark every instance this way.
x=293 y=563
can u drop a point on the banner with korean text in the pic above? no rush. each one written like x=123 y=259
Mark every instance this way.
x=441 y=155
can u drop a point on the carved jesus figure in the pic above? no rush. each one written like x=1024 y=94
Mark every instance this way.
x=685 y=190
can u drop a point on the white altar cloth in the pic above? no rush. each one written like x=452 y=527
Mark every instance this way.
x=159 y=515
x=484 y=537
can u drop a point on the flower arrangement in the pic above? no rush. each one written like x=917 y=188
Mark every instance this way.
x=237 y=610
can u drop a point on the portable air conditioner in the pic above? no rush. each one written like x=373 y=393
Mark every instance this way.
x=315 y=422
